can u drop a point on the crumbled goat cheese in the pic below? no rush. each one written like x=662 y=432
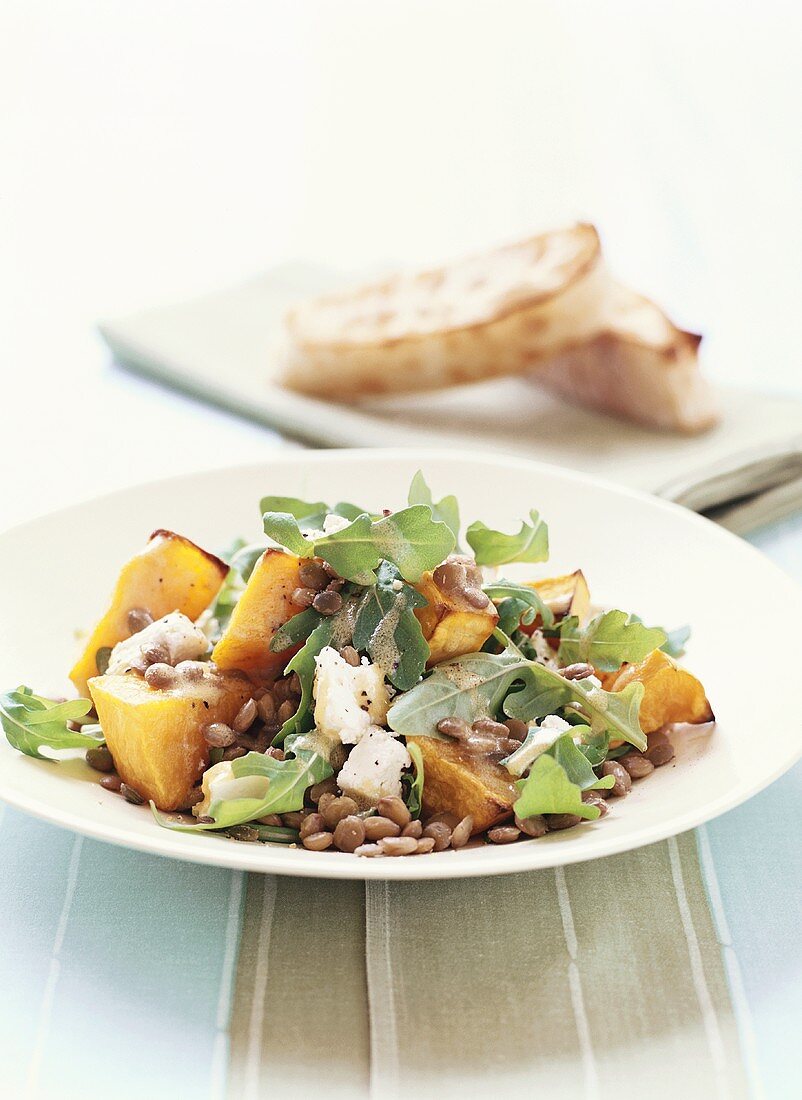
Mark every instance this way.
x=332 y=524
x=174 y=633
x=348 y=699
x=219 y=783
x=374 y=766
x=539 y=739
x=545 y=654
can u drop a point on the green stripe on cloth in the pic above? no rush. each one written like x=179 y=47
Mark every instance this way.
x=599 y=977
x=300 y=1017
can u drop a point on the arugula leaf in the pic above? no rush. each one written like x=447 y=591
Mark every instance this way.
x=499 y=590
x=308 y=515
x=511 y=613
x=31 y=723
x=575 y=764
x=674 y=645
x=531 y=544
x=545 y=691
x=102 y=659
x=471 y=687
x=608 y=641
x=477 y=684
x=410 y=539
x=303 y=663
x=414 y=799
x=385 y=627
x=297 y=629
x=548 y=790
x=268 y=786
x=284 y=529
x=445 y=510
x=352 y=551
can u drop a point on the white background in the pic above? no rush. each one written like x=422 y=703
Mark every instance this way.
x=151 y=150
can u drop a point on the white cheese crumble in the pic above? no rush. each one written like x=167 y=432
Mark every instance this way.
x=177 y=635
x=374 y=766
x=219 y=784
x=539 y=739
x=332 y=524
x=349 y=699
x=545 y=654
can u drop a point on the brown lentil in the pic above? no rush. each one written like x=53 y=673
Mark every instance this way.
x=349 y=654
x=275 y=752
x=266 y=707
x=454 y=727
x=594 y=798
x=100 y=759
x=368 y=850
x=313 y=575
x=323 y=793
x=578 y=671
x=193 y=798
x=532 y=826
x=338 y=808
x=111 y=782
x=318 y=842
x=191 y=670
x=451 y=820
x=394 y=808
x=660 y=753
x=330 y=570
x=159 y=675
x=398 y=845
x=270 y=819
x=415 y=828
x=303 y=597
x=155 y=655
x=378 y=827
x=503 y=834
x=516 y=729
x=219 y=735
x=462 y=832
x=637 y=765
x=282 y=689
x=557 y=822
x=138 y=618
x=294 y=819
x=440 y=833
x=327 y=603
x=245 y=833
x=246 y=716
x=490 y=727
x=286 y=711
x=130 y=795
x=313 y=823
x=349 y=833
x=234 y=752
x=623 y=783
x=425 y=845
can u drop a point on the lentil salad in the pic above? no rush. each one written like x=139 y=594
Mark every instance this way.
x=360 y=682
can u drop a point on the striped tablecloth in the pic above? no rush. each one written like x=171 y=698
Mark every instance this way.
x=675 y=969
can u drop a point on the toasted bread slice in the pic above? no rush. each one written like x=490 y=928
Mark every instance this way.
x=476 y=319
x=640 y=367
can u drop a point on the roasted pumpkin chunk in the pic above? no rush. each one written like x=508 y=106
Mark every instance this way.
x=450 y=625
x=461 y=782
x=156 y=735
x=671 y=694
x=264 y=606
x=170 y=574
x=564 y=596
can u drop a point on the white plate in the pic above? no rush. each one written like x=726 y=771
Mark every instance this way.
x=668 y=565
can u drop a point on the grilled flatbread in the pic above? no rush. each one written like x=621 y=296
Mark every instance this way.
x=640 y=367
x=480 y=318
